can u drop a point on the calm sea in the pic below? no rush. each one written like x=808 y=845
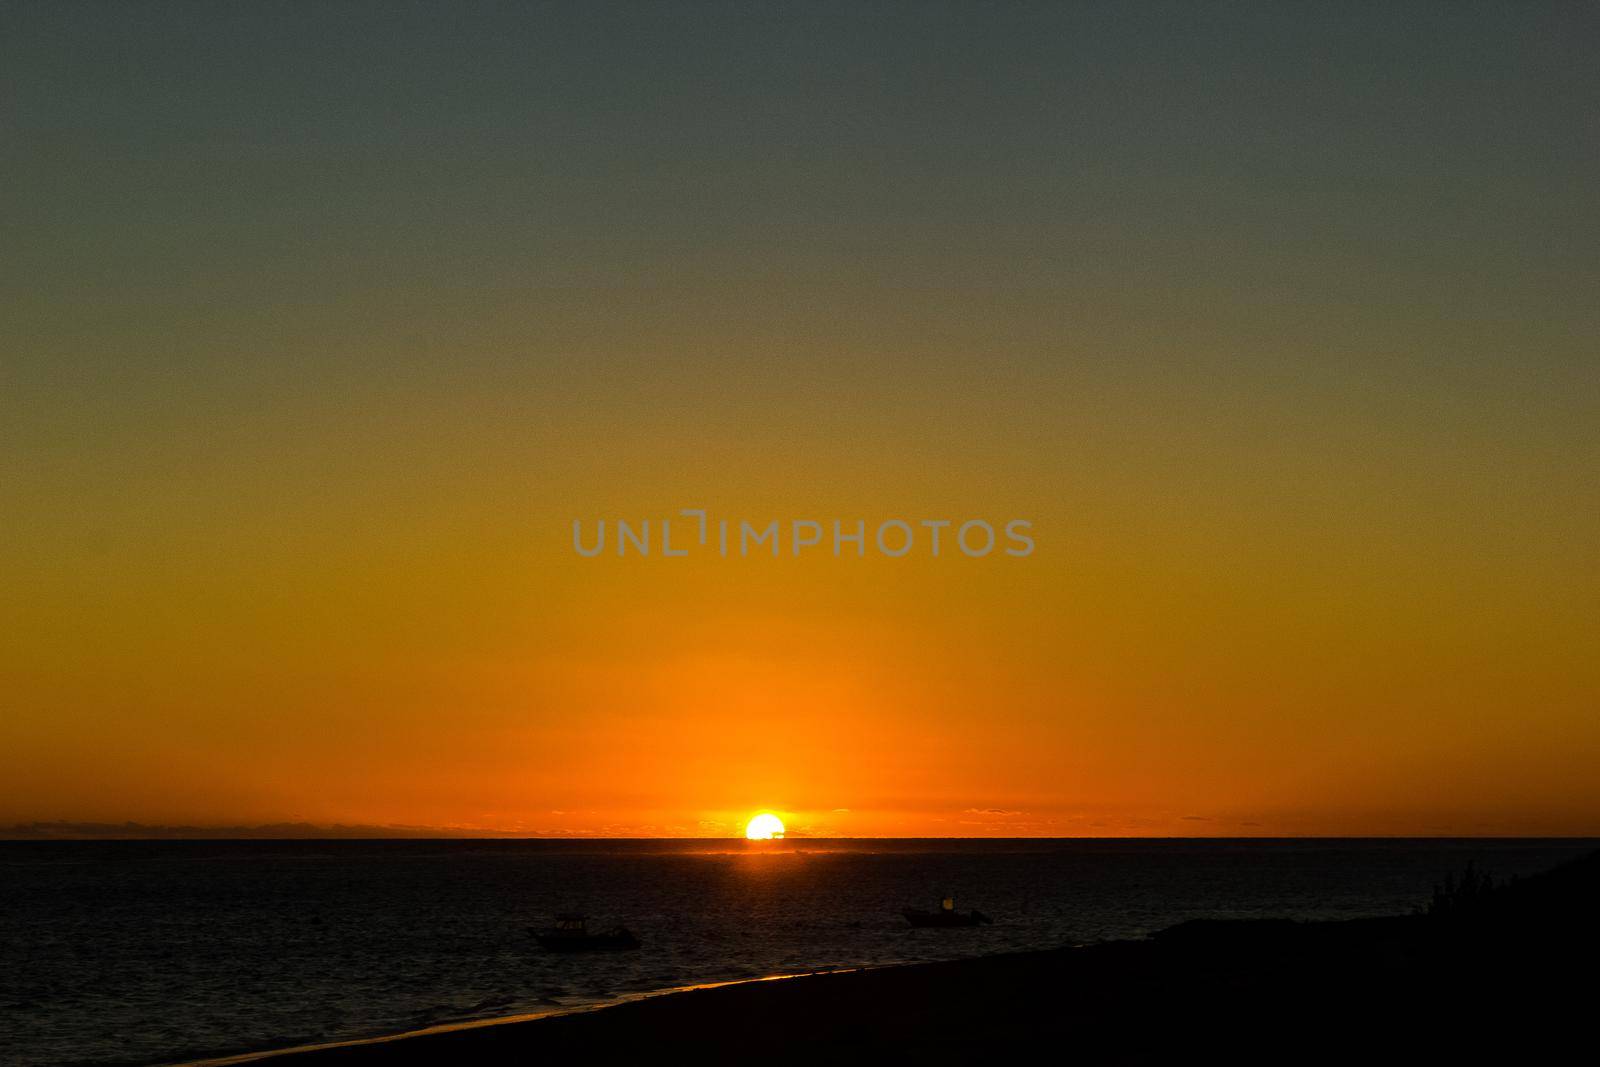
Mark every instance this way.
x=150 y=952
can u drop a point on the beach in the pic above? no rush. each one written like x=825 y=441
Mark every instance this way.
x=1502 y=977
x=140 y=952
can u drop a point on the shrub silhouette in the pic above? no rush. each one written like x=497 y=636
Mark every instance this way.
x=1471 y=893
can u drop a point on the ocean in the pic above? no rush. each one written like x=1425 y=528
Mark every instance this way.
x=156 y=952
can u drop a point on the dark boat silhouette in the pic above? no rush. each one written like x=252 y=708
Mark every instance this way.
x=946 y=917
x=571 y=934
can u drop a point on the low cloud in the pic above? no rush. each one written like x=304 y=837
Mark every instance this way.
x=278 y=831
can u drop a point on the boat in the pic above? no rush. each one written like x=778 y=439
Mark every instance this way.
x=571 y=934
x=946 y=917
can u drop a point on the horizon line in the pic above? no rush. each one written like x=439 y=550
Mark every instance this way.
x=201 y=834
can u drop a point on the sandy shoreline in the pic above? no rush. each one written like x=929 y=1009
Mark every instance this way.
x=1095 y=1000
x=1504 y=979
x=517 y=1018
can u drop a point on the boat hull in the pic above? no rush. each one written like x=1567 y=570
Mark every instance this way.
x=617 y=941
x=945 y=920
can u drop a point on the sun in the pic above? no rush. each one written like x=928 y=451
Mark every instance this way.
x=764 y=827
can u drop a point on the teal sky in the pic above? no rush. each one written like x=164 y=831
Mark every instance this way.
x=1403 y=168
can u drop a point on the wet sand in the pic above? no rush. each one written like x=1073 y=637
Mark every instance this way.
x=1508 y=980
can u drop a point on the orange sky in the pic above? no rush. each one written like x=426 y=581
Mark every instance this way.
x=1284 y=347
x=1147 y=670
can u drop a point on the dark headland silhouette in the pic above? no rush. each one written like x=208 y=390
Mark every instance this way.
x=1484 y=974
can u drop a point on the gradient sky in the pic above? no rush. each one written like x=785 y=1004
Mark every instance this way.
x=321 y=323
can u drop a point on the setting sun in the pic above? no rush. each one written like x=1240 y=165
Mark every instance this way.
x=764 y=827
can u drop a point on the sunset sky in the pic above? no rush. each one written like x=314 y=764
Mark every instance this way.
x=322 y=324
